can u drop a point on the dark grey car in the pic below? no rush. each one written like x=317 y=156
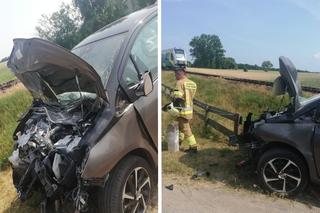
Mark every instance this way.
x=89 y=140
x=285 y=146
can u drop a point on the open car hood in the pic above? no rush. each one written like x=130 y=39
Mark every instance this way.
x=48 y=70
x=289 y=74
x=288 y=82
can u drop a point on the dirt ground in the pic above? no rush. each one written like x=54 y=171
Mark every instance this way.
x=190 y=196
x=9 y=202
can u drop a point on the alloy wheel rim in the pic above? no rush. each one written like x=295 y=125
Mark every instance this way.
x=282 y=175
x=137 y=191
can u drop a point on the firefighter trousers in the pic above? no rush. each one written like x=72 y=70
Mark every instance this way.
x=185 y=133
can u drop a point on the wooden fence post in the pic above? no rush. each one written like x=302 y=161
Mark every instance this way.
x=206 y=117
x=236 y=124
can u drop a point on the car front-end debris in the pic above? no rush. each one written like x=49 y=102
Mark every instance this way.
x=281 y=144
x=50 y=148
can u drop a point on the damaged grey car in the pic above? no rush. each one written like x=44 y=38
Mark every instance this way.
x=285 y=146
x=88 y=142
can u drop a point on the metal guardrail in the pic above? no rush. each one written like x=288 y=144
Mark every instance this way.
x=235 y=117
x=250 y=81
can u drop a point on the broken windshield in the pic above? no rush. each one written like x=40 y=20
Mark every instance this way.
x=101 y=54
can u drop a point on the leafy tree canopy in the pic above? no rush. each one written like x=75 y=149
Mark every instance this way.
x=62 y=27
x=72 y=23
x=229 y=63
x=207 y=51
x=266 y=65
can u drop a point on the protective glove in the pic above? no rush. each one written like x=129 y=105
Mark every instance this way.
x=165 y=107
x=174 y=112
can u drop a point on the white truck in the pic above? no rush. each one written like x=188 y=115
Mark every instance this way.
x=173 y=58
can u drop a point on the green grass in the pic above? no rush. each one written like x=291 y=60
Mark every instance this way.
x=232 y=96
x=215 y=155
x=11 y=107
x=5 y=73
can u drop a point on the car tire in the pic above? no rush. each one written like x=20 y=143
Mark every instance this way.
x=282 y=172
x=119 y=189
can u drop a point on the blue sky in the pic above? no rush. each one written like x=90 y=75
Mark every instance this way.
x=18 y=19
x=251 y=31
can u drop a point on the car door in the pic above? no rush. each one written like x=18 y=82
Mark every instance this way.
x=145 y=48
x=316 y=139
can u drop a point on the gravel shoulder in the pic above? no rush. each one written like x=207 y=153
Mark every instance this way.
x=192 y=196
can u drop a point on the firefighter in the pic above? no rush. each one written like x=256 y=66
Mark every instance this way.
x=182 y=98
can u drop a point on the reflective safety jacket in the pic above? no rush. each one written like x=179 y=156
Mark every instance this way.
x=183 y=97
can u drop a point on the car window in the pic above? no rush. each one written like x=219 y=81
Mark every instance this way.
x=145 y=48
x=130 y=75
x=101 y=54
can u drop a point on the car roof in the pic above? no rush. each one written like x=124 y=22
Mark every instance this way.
x=124 y=24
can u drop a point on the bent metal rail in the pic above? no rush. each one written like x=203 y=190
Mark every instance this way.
x=234 y=117
x=8 y=84
x=250 y=81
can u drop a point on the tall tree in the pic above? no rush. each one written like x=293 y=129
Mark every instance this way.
x=98 y=13
x=72 y=23
x=266 y=65
x=207 y=51
x=61 y=27
x=229 y=63
x=134 y=5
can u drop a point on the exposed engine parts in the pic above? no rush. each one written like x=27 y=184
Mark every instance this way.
x=48 y=153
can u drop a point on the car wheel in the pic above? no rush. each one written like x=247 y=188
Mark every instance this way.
x=282 y=172
x=129 y=188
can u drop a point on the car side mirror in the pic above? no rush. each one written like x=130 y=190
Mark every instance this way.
x=146 y=85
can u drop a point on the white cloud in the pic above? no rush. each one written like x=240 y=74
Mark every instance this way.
x=316 y=56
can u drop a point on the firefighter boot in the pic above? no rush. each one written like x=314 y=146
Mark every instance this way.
x=192 y=145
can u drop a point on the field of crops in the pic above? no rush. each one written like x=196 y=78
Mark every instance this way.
x=306 y=79
x=5 y=74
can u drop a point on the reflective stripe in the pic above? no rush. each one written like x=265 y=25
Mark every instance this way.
x=188 y=101
x=185 y=89
x=186 y=112
x=190 y=89
x=190 y=85
x=191 y=140
x=177 y=94
x=187 y=108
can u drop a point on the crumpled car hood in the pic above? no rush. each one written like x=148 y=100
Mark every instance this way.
x=47 y=69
